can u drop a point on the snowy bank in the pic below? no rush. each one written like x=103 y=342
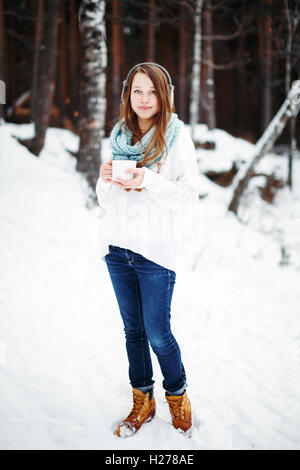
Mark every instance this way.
x=235 y=310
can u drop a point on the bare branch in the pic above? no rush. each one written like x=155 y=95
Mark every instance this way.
x=228 y=66
x=20 y=37
x=227 y=37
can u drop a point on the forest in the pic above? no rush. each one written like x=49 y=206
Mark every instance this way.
x=232 y=244
x=232 y=63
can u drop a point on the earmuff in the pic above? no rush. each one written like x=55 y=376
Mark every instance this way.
x=170 y=85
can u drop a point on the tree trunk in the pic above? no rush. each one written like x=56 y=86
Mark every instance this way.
x=62 y=76
x=72 y=52
x=11 y=78
x=241 y=76
x=2 y=77
x=116 y=65
x=209 y=85
x=182 y=82
x=291 y=26
x=292 y=150
x=47 y=75
x=196 y=70
x=267 y=100
x=289 y=108
x=92 y=116
x=265 y=61
x=35 y=74
x=151 y=33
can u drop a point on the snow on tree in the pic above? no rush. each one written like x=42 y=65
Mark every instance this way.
x=196 y=71
x=93 y=85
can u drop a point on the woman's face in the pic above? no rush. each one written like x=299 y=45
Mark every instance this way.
x=143 y=99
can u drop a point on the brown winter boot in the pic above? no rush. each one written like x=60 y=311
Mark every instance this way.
x=180 y=409
x=143 y=410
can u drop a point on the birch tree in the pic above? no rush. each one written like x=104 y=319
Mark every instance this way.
x=196 y=70
x=116 y=35
x=289 y=109
x=292 y=21
x=93 y=85
x=207 y=61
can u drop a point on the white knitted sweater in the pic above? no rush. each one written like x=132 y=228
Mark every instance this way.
x=152 y=222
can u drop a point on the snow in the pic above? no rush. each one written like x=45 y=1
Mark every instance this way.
x=235 y=310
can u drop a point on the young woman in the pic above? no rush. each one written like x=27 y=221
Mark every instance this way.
x=139 y=242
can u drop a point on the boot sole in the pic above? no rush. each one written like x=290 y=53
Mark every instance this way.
x=184 y=429
x=147 y=420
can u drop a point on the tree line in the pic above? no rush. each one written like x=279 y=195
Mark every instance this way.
x=232 y=63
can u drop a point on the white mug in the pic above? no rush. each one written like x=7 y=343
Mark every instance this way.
x=119 y=167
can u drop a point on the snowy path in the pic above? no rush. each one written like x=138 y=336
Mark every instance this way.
x=63 y=367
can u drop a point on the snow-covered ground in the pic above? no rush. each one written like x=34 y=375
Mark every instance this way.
x=235 y=310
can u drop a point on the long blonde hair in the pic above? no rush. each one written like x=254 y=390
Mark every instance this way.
x=160 y=120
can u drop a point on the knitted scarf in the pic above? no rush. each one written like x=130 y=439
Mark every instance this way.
x=122 y=149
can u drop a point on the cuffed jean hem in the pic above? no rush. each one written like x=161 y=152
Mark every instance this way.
x=145 y=389
x=179 y=391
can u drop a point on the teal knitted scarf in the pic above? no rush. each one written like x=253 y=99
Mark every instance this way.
x=120 y=141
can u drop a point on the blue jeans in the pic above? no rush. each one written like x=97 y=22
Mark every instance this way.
x=144 y=292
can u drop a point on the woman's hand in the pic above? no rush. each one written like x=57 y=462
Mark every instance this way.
x=133 y=183
x=106 y=171
x=106 y=175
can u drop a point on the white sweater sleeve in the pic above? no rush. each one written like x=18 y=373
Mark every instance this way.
x=103 y=191
x=184 y=187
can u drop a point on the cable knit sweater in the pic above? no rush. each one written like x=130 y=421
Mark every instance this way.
x=150 y=222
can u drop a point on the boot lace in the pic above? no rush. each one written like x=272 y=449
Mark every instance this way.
x=138 y=406
x=176 y=408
